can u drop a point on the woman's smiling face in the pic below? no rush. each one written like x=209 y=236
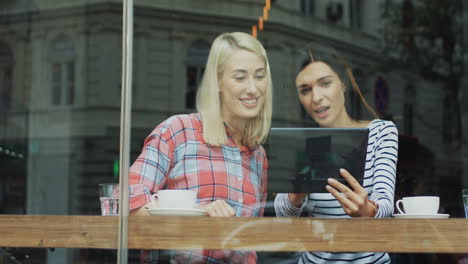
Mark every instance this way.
x=242 y=84
x=321 y=92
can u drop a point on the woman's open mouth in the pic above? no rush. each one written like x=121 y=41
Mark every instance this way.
x=321 y=112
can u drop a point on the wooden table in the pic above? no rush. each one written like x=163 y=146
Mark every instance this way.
x=261 y=234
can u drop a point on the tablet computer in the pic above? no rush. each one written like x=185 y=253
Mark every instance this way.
x=300 y=160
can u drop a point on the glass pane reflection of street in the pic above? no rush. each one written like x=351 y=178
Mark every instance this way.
x=60 y=95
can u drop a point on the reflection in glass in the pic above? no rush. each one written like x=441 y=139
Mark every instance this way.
x=196 y=60
x=308 y=7
x=60 y=66
x=59 y=115
x=6 y=76
x=62 y=56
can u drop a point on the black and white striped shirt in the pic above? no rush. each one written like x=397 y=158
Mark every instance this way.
x=379 y=181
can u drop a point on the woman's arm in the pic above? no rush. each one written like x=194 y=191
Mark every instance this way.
x=385 y=164
x=150 y=169
x=285 y=207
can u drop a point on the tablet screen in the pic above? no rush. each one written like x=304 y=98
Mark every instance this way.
x=302 y=159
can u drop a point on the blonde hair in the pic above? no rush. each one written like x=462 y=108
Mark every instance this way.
x=208 y=98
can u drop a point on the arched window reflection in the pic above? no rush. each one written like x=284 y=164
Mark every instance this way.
x=197 y=56
x=62 y=66
x=6 y=76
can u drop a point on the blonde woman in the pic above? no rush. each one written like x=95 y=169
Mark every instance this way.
x=215 y=152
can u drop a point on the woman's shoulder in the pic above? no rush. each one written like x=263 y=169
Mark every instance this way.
x=382 y=130
x=260 y=150
x=182 y=121
x=382 y=125
x=177 y=123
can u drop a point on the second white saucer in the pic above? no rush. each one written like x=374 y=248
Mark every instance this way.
x=421 y=216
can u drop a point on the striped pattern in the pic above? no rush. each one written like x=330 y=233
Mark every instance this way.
x=379 y=181
x=175 y=156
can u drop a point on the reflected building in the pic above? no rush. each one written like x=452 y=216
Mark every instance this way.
x=60 y=83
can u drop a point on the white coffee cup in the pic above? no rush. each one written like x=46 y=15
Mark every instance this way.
x=428 y=205
x=175 y=199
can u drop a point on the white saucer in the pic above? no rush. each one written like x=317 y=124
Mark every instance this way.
x=421 y=216
x=176 y=211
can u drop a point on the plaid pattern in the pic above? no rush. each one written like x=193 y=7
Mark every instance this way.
x=175 y=156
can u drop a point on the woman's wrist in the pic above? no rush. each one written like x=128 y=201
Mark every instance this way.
x=374 y=208
x=297 y=199
x=142 y=211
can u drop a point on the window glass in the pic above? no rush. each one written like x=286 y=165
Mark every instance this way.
x=59 y=71
x=372 y=40
x=60 y=127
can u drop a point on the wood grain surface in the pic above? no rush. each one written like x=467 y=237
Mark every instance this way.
x=236 y=233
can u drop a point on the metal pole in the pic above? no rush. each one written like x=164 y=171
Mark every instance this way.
x=125 y=130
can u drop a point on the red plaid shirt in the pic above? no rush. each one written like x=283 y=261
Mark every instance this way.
x=175 y=156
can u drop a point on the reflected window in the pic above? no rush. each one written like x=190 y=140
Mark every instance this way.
x=408 y=109
x=195 y=66
x=334 y=12
x=407 y=23
x=355 y=100
x=308 y=7
x=355 y=13
x=6 y=76
x=62 y=66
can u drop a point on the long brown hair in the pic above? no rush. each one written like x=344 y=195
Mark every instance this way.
x=342 y=62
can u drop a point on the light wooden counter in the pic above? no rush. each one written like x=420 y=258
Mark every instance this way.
x=262 y=234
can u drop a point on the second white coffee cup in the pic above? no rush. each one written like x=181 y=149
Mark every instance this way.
x=175 y=199
x=419 y=205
